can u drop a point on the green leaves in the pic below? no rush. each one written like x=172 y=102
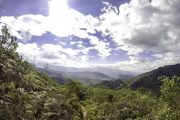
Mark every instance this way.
x=169 y=99
x=170 y=91
x=8 y=43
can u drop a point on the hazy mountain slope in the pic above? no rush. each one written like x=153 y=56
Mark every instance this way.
x=111 y=84
x=150 y=79
x=59 y=77
x=113 y=73
x=87 y=77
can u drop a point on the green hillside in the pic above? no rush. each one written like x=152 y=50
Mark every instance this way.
x=113 y=84
x=151 y=80
x=26 y=94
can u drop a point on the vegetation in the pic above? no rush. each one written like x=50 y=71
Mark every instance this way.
x=26 y=94
x=114 y=84
x=150 y=80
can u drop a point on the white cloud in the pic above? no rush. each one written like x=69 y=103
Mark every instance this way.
x=100 y=46
x=63 y=23
x=140 y=65
x=138 y=26
x=52 y=54
x=25 y=26
x=142 y=25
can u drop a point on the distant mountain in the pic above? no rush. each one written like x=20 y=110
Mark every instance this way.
x=115 y=73
x=59 y=77
x=111 y=84
x=150 y=79
x=87 y=77
x=92 y=75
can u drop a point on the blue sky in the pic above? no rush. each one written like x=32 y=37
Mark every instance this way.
x=131 y=35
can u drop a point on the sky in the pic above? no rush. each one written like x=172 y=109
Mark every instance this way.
x=130 y=35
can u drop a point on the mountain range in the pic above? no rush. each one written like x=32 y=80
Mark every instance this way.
x=86 y=76
x=113 y=78
x=149 y=80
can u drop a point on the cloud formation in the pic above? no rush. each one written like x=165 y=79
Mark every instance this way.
x=143 y=25
x=135 y=27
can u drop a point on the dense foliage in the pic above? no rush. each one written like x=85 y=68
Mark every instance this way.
x=26 y=94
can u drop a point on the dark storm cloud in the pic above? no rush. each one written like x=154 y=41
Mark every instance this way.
x=148 y=39
x=165 y=30
x=143 y=25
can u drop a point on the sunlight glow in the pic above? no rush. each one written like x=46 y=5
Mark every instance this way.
x=58 y=9
x=60 y=17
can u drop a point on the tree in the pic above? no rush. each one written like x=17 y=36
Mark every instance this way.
x=8 y=54
x=170 y=91
x=78 y=89
x=8 y=43
x=169 y=101
x=12 y=66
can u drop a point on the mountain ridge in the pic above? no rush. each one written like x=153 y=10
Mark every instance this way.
x=151 y=80
x=86 y=76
